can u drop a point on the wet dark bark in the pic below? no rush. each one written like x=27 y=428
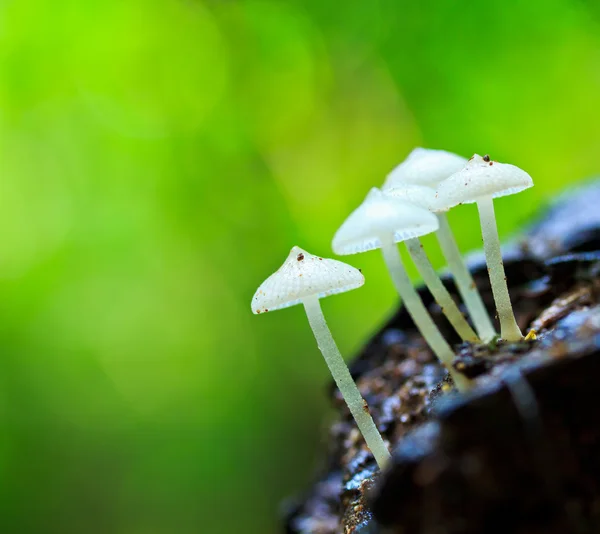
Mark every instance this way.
x=521 y=453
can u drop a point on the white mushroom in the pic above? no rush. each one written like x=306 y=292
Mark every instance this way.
x=411 y=180
x=424 y=197
x=480 y=181
x=380 y=222
x=424 y=166
x=304 y=279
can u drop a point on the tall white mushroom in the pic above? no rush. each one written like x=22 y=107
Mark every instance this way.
x=381 y=222
x=304 y=279
x=425 y=198
x=480 y=181
x=424 y=166
x=428 y=167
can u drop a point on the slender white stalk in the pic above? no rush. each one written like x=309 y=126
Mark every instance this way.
x=418 y=312
x=464 y=281
x=509 y=330
x=339 y=370
x=439 y=291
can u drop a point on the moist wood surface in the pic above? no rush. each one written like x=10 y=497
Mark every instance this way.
x=522 y=452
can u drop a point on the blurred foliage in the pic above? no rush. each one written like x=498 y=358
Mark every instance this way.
x=158 y=159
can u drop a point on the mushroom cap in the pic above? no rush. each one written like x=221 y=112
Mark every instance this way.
x=420 y=195
x=303 y=275
x=378 y=216
x=425 y=166
x=479 y=178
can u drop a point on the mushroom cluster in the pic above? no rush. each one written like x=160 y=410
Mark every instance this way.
x=412 y=203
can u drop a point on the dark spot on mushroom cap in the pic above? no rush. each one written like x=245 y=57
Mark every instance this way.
x=300 y=257
x=486 y=158
x=321 y=259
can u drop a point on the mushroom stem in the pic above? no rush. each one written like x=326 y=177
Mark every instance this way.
x=439 y=291
x=509 y=330
x=464 y=281
x=339 y=370
x=418 y=312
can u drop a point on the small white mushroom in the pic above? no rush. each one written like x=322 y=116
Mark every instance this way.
x=424 y=166
x=304 y=279
x=425 y=198
x=421 y=195
x=480 y=181
x=413 y=180
x=381 y=222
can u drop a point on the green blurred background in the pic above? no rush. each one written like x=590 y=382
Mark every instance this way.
x=157 y=161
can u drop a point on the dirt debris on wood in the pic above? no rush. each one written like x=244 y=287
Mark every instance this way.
x=522 y=452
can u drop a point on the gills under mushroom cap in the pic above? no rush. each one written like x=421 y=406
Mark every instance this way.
x=381 y=215
x=425 y=166
x=482 y=177
x=303 y=275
